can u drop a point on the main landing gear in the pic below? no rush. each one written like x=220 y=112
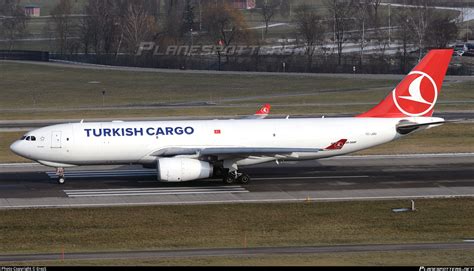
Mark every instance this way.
x=228 y=171
x=60 y=173
x=233 y=176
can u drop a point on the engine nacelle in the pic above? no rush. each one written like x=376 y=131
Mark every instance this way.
x=182 y=169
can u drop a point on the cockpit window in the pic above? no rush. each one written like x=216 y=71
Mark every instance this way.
x=28 y=138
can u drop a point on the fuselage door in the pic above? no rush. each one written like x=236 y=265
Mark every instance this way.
x=56 y=139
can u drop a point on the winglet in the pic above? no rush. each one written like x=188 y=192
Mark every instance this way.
x=263 y=111
x=337 y=145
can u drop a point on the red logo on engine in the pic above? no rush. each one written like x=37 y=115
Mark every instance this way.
x=416 y=95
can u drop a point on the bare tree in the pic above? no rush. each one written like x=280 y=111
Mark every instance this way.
x=373 y=12
x=12 y=21
x=187 y=22
x=102 y=24
x=268 y=10
x=309 y=25
x=256 y=44
x=62 y=23
x=362 y=13
x=340 y=14
x=419 y=18
x=138 y=26
x=86 y=35
x=172 y=29
x=285 y=8
x=404 y=35
x=91 y=28
x=378 y=34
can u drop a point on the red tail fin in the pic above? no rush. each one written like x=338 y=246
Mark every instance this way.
x=264 y=110
x=417 y=93
x=337 y=145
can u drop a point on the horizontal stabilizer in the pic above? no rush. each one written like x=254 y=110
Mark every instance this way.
x=406 y=127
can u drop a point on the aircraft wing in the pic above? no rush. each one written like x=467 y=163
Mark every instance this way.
x=240 y=151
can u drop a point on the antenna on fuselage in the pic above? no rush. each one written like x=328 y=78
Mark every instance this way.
x=81 y=121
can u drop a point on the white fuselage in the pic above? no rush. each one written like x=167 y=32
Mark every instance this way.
x=103 y=143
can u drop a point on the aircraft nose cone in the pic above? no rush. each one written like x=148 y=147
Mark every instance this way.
x=15 y=147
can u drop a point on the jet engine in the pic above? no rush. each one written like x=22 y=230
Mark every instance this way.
x=182 y=169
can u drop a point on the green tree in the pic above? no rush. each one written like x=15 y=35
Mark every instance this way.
x=225 y=25
x=442 y=29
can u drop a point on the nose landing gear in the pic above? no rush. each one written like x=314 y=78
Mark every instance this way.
x=60 y=173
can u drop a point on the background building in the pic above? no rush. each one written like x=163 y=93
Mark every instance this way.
x=244 y=4
x=32 y=10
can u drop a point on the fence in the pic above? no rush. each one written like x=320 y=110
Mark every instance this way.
x=24 y=55
x=350 y=63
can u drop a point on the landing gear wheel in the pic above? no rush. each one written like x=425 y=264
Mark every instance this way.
x=60 y=173
x=244 y=178
x=228 y=179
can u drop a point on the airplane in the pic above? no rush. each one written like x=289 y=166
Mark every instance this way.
x=261 y=113
x=189 y=150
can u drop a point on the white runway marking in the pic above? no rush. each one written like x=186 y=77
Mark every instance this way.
x=104 y=173
x=149 y=203
x=154 y=191
x=313 y=177
x=151 y=172
x=375 y=156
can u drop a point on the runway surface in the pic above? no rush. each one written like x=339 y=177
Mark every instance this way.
x=343 y=178
x=233 y=252
x=77 y=65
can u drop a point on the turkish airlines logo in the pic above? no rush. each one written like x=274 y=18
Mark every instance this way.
x=417 y=95
x=263 y=110
x=337 y=145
